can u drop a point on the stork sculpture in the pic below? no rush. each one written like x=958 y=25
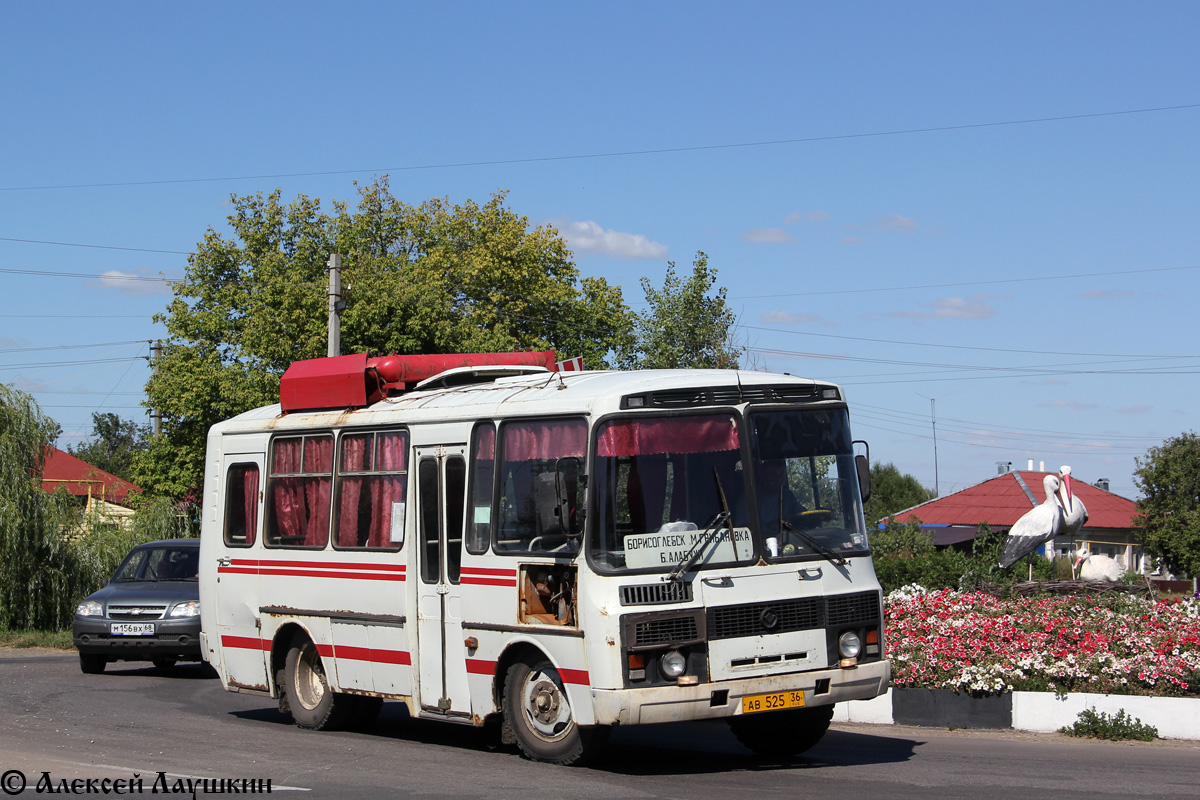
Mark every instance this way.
x=1074 y=511
x=1097 y=567
x=1038 y=526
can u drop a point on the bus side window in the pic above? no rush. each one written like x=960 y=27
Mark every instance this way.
x=300 y=491
x=371 y=484
x=531 y=453
x=483 y=470
x=241 y=505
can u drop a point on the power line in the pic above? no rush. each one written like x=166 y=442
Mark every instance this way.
x=967 y=283
x=95 y=246
x=48 y=364
x=91 y=275
x=622 y=153
x=71 y=346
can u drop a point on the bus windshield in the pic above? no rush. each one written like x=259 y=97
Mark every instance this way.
x=663 y=484
x=806 y=485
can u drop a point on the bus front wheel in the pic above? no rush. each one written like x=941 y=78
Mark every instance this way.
x=313 y=704
x=538 y=711
x=782 y=734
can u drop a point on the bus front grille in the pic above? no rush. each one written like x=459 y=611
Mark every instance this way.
x=798 y=614
x=650 y=594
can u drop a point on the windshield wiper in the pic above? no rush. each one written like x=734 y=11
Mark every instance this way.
x=707 y=537
x=812 y=541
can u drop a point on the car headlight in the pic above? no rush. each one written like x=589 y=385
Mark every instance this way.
x=672 y=664
x=89 y=608
x=849 y=644
x=189 y=609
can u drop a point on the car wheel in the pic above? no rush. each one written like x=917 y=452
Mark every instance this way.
x=312 y=703
x=163 y=663
x=782 y=734
x=538 y=711
x=91 y=663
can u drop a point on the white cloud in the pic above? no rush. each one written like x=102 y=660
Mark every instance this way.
x=780 y=317
x=898 y=223
x=952 y=308
x=806 y=216
x=768 y=235
x=589 y=237
x=1071 y=404
x=140 y=283
x=1101 y=294
x=1142 y=409
x=850 y=241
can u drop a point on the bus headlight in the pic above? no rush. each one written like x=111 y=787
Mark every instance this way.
x=849 y=645
x=672 y=664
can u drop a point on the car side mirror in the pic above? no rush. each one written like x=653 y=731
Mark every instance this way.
x=862 y=464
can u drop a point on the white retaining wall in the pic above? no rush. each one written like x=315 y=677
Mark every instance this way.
x=1175 y=717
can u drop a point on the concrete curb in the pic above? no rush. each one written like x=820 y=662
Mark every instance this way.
x=1175 y=717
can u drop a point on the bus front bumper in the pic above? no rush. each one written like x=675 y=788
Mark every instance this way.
x=724 y=698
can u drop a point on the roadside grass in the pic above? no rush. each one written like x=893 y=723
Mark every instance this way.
x=54 y=640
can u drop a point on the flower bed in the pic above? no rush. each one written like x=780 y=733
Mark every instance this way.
x=980 y=644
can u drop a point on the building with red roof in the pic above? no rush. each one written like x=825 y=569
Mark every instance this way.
x=82 y=480
x=1002 y=500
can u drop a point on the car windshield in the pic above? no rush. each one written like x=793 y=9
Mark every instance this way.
x=664 y=485
x=159 y=564
x=806 y=485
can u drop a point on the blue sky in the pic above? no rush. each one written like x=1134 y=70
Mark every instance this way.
x=990 y=208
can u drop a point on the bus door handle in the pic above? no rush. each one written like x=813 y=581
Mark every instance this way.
x=724 y=580
x=809 y=573
x=224 y=561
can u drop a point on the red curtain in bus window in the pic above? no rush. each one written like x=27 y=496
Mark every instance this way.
x=286 y=493
x=250 y=499
x=356 y=452
x=386 y=491
x=318 y=457
x=391 y=449
x=527 y=441
x=706 y=434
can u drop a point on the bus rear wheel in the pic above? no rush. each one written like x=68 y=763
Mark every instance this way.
x=312 y=703
x=782 y=734
x=538 y=712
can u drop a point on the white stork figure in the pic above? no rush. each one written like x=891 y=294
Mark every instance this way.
x=1074 y=511
x=1038 y=526
x=1097 y=567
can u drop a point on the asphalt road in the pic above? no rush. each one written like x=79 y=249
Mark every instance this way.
x=131 y=720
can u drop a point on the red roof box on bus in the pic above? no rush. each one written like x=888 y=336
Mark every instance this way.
x=355 y=381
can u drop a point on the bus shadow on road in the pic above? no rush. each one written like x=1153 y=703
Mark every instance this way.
x=666 y=749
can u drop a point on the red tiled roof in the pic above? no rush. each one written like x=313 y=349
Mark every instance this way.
x=1001 y=501
x=78 y=477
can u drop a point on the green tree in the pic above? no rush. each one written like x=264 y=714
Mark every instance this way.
x=114 y=443
x=685 y=327
x=1169 y=511
x=893 y=491
x=434 y=278
x=36 y=575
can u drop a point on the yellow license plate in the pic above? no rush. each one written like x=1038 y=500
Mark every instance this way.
x=772 y=702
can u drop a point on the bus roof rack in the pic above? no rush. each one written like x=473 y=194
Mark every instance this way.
x=356 y=381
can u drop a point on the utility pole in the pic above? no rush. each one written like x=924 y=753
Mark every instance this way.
x=937 y=485
x=155 y=357
x=336 y=304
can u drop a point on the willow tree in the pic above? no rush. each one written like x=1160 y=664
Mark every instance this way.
x=37 y=575
x=433 y=278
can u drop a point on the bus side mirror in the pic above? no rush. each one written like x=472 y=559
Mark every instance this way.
x=862 y=465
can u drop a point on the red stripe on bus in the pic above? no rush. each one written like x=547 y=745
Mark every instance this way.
x=312 y=573
x=371 y=654
x=245 y=642
x=477 y=666
x=325 y=650
x=488 y=581
x=511 y=573
x=249 y=562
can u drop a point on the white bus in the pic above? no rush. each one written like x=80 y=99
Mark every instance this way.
x=556 y=552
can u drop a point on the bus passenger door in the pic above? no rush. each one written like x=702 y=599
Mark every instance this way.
x=441 y=505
